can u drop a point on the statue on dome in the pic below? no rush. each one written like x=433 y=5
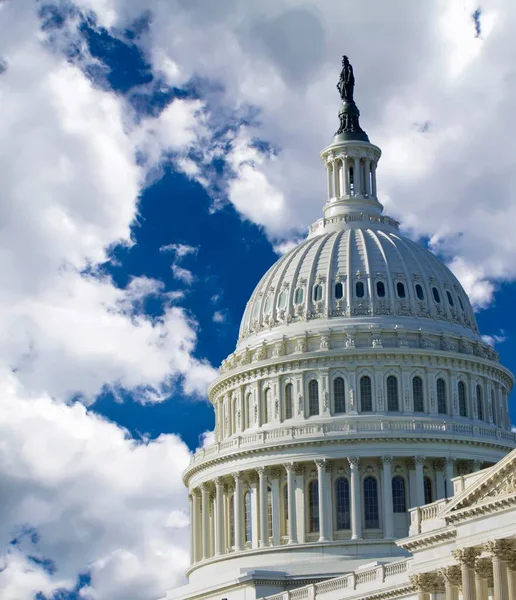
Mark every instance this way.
x=347 y=81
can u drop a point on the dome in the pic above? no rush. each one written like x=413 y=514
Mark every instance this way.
x=360 y=270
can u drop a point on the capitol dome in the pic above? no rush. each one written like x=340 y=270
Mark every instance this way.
x=359 y=388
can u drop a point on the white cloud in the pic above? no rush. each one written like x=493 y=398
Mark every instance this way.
x=219 y=316
x=492 y=340
x=180 y=251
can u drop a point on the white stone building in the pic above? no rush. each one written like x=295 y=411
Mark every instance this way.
x=359 y=388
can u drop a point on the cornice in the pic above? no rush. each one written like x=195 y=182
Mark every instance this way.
x=491 y=506
x=426 y=540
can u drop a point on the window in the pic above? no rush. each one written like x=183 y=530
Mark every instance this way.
x=360 y=290
x=313 y=398
x=371 y=514
x=248 y=521
x=366 y=394
x=419 y=292
x=248 y=411
x=342 y=504
x=460 y=303
x=441 y=396
x=313 y=507
x=282 y=300
x=339 y=396
x=450 y=299
x=399 y=499
x=268 y=304
x=400 y=289
x=480 y=404
x=380 y=289
x=256 y=310
x=351 y=180
x=285 y=507
x=392 y=393
x=317 y=292
x=339 y=290
x=429 y=497
x=417 y=394
x=463 y=411
x=288 y=400
x=435 y=293
x=299 y=295
x=232 y=541
x=266 y=401
x=269 y=512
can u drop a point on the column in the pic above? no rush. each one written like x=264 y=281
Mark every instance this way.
x=219 y=516
x=373 y=178
x=255 y=514
x=336 y=176
x=440 y=479
x=345 y=178
x=357 y=177
x=511 y=572
x=466 y=557
x=238 y=511
x=367 y=177
x=452 y=581
x=450 y=474
x=483 y=575
x=420 y=480
x=388 y=515
x=499 y=549
x=205 y=500
x=323 y=490
x=329 y=170
x=291 y=503
x=356 y=516
x=192 y=538
x=275 y=490
x=263 y=507
x=196 y=505
x=300 y=502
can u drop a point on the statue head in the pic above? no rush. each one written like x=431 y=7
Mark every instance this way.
x=345 y=61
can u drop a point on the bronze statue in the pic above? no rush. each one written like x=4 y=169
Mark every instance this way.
x=346 y=81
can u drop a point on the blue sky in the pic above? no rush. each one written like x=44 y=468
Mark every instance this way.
x=155 y=159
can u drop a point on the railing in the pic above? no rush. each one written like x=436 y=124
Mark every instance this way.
x=430 y=511
x=350 y=427
x=349 y=583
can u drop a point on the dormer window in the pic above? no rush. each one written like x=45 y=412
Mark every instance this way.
x=435 y=293
x=282 y=300
x=268 y=303
x=450 y=298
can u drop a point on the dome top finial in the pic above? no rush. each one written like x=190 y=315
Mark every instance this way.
x=349 y=114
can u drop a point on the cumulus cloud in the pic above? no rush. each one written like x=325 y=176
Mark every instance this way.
x=180 y=251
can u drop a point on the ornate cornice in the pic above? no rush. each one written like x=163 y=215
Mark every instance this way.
x=426 y=540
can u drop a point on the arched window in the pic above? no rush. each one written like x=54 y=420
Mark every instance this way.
x=371 y=515
x=288 y=400
x=339 y=395
x=441 y=396
x=419 y=292
x=232 y=521
x=399 y=497
x=318 y=292
x=313 y=398
x=342 y=503
x=380 y=289
x=248 y=411
x=285 y=509
x=359 y=289
x=480 y=404
x=450 y=298
x=366 y=394
x=460 y=303
x=429 y=496
x=282 y=300
x=339 y=290
x=351 y=180
x=299 y=295
x=313 y=507
x=400 y=289
x=435 y=293
x=269 y=512
x=463 y=410
x=266 y=401
x=417 y=393
x=392 y=394
x=248 y=520
x=268 y=304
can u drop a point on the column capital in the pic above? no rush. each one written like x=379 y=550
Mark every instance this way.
x=484 y=569
x=252 y=477
x=467 y=556
x=262 y=471
x=439 y=464
x=451 y=575
x=428 y=582
x=237 y=475
x=419 y=460
x=299 y=469
x=500 y=549
x=354 y=462
x=450 y=461
x=219 y=482
x=196 y=493
x=275 y=472
x=324 y=464
x=289 y=466
x=386 y=460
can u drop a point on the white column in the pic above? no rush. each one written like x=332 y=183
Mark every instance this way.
x=481 y=587
x=356 y=516
x=420 y=480
x=440 y=478
x=323 y=490
x=357 y=177
x=238 y=511
x=345 y=167
x=196 y=497
x=466 y=557
x=388 y=515
x=452 y=580
x=291 y=502
x=329 y=167
x=300 y=502
x=373 y=178
x=205 y=499
x=262 y=503
x=275 y=489
x=367 y=173
x=219 y=516
x=336 y=177
x=255 y=510
x=450 y=474
x=499 y=550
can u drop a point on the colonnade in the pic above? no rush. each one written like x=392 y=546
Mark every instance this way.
x=482 y=573
x=351 y=176
x=315 y=501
